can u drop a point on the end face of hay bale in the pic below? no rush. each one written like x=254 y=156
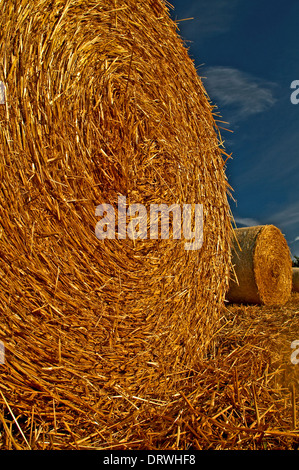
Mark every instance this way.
x=262 y=266
x=101 y=102
x=295 y=279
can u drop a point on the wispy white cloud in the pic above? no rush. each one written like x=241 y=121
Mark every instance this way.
x=246 y=221
x=244 y=94
x=209 y=18
x=287 y=217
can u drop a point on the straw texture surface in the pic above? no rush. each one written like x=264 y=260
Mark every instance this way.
x=296 y=279
x=102 y=100
x=262 y=266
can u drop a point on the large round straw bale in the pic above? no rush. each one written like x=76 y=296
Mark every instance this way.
x=262 y=266
x=102 y=101
x=296 y=279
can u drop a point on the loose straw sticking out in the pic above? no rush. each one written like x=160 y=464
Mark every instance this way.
x=262 y=265
x=15 y=420
x=296 y=279
x=293 y=397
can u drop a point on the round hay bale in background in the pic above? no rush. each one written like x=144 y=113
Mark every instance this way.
x=296 y=279
x=262 y=266
x=102 y=101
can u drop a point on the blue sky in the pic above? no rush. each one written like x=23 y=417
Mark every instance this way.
x=247 y=54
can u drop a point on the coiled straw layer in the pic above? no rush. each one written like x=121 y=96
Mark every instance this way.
x=102 y=100
x=262 y=266
x=296 y=279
